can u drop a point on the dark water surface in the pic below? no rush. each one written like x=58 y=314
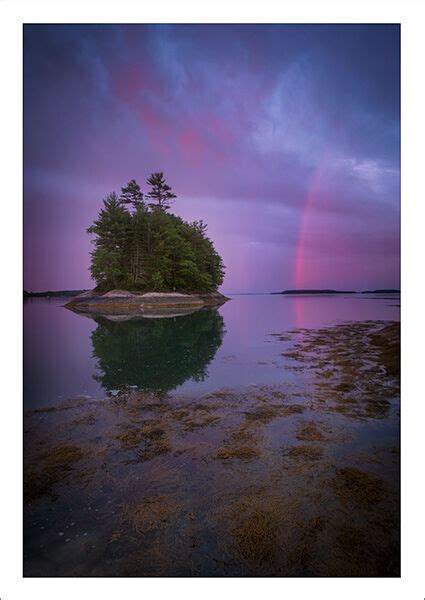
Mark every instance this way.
x=68 y=355
x=258 y=439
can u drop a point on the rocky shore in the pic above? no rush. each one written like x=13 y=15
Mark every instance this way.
x=126 y=304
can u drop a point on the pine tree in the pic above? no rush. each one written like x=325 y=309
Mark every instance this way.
x=149 y=249
x=132 y=194
x=160 y=191
x=110 y=256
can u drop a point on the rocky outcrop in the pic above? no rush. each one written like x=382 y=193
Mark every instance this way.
x=123 y=303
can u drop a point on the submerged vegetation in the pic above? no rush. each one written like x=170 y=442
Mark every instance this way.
x=356 y=366
x=256 y=481
x=139 y=246
x=54 y=465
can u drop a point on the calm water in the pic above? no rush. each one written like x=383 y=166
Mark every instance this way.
x=67 y=355
x=214 y=444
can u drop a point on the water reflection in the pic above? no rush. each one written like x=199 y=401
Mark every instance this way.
x=156 y=354
x=59 y=361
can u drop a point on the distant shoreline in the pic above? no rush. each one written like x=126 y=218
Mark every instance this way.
x=327 y=292
x=73 y=293
x=291 y=292
x=54 y=294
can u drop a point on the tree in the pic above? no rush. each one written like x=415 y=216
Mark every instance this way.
x=157 y=282
x=149 y=249
x=132 y=194
x=109 y=258
x=160 y=191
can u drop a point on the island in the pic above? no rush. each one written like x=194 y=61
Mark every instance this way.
x=385 y=291
x=293 y=292
x=147 y=261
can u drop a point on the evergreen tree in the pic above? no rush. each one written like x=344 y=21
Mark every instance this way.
x=150 y=249
x=160 y=191
x=109 y=266
x=132 y=194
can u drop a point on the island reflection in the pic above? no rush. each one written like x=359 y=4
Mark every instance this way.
x=156 y=354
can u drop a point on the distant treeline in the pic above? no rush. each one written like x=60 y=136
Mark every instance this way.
x=315 y=292
x=290 y=292
x=140 y=246
x=381 y=292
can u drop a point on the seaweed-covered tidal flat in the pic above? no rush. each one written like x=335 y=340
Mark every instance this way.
x=298 y=478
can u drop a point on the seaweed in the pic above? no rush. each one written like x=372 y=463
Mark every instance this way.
x=53 y=466
x=240 y=452
x=353 y=486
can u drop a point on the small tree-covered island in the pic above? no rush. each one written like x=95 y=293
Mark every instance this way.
x=146 y=259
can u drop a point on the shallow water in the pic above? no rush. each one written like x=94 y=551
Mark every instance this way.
x=68 y=355
x=259 y=439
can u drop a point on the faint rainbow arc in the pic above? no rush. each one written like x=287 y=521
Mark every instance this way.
x=299 y=276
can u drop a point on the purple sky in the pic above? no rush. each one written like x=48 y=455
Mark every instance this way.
x=283 y=138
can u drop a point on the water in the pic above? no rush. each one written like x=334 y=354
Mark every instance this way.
x=214 y=444
x=67 y=355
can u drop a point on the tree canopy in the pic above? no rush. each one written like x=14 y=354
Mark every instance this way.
x=140 y=246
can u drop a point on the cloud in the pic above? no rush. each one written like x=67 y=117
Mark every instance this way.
x=254 y=127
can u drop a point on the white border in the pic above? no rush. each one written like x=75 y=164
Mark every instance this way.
x=410 y=13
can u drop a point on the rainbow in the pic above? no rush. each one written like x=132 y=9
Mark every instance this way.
x=301 y=274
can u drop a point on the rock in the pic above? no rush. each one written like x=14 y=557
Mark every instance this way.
x=123 y=304
x=118 y=294
x=88 y=294
x=162 y=295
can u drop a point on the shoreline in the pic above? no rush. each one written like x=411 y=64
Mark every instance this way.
x=125 y=304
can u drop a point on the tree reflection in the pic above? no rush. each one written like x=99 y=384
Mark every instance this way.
x=156 y=354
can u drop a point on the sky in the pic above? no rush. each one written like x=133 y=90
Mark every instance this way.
x=284 y=139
